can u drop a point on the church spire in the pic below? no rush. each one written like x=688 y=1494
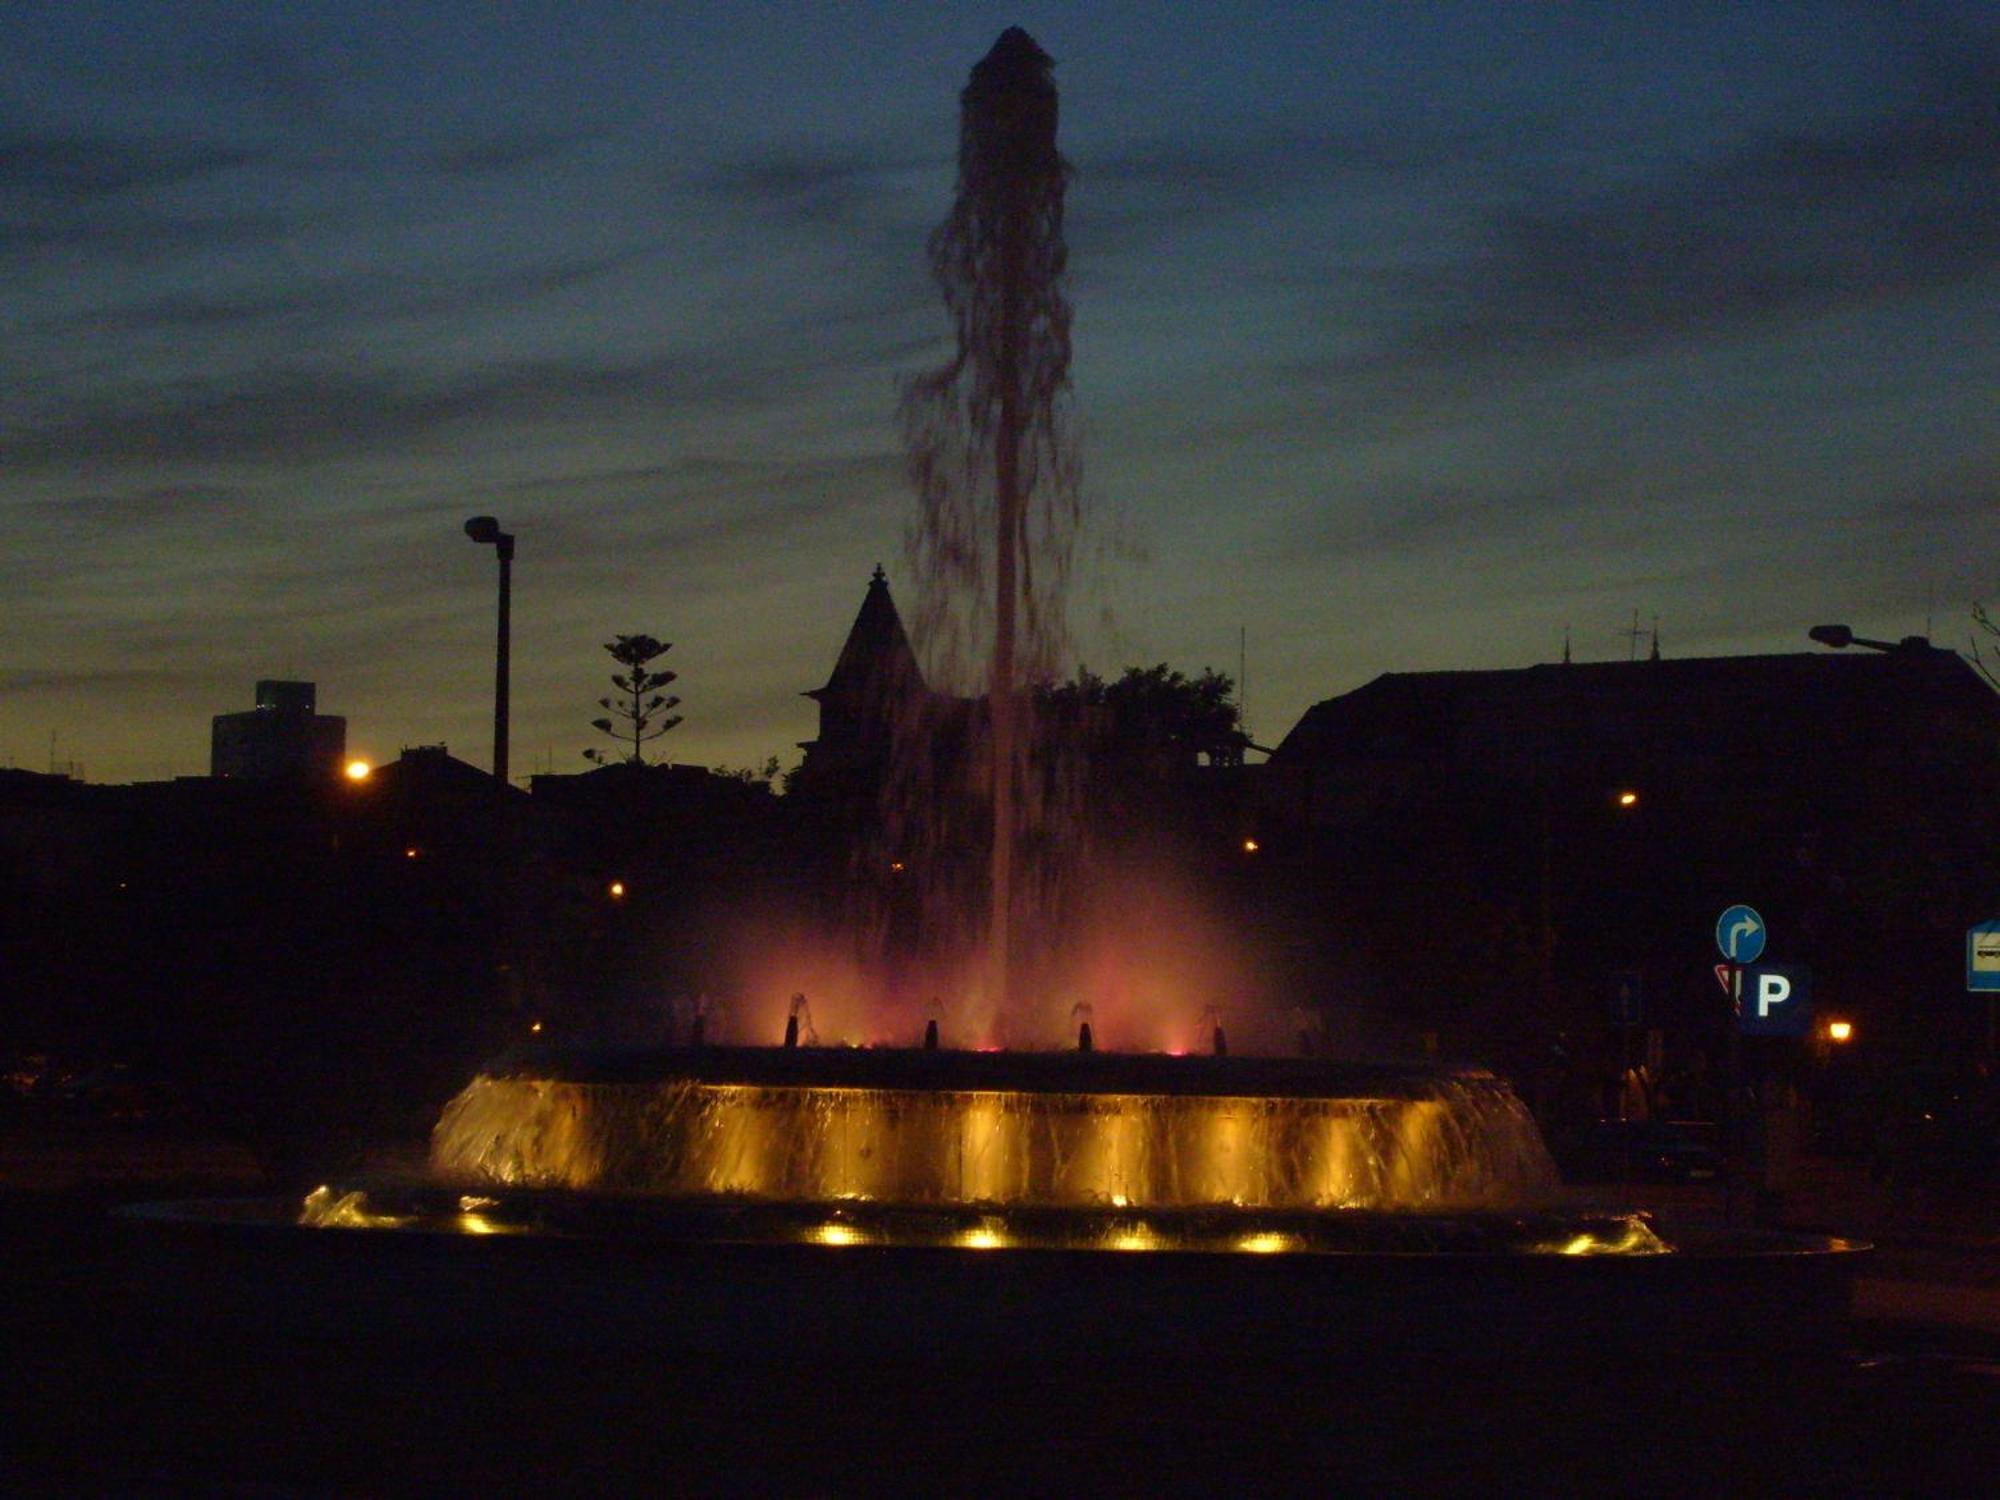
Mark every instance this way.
x=877 y=659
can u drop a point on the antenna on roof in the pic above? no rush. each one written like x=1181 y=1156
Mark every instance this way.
x=1242 y=681
x=1632 y=638
x=1656 y=640
x=1565 y=645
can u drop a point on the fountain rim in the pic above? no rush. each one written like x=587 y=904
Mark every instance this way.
x=708 y=1225
x=915 y=1070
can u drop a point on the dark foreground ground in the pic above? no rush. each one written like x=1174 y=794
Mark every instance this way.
x=142 y=1365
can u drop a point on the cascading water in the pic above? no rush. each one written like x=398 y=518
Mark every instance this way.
x=1456 y=1143
x=1044 y=1130
x=977 y=1151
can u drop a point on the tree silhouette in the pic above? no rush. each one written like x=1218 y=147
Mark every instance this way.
x=635 y=712
x=1158 y=714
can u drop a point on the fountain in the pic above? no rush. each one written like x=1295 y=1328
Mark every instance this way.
x=822 y=1268
x=772 y=1201
x=990 y=1130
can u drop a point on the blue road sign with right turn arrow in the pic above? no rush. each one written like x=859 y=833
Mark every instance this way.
x=1739 y=933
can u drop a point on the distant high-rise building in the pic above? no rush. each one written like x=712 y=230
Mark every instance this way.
x=282 y=739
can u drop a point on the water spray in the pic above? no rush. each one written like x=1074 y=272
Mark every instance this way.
x=988 y=451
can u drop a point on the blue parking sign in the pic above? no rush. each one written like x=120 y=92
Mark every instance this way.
x=1776 y=1000
x=1628 y=998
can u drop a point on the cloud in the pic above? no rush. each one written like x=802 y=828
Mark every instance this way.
x=1792 y=224
x=288 y=75
x=143 y=509
x=703 y=506
x=345 y=301
x=1959 y=496
x=1127 y=198
x=61 y=680
x=300 y=413
x=127 y=235
x=816 y=186
x=42 y=167
x=1511 y=519
x=504 y=152
x=63 y=549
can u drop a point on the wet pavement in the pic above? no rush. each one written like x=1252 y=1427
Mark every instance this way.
x=1936 y=1257
x=100 y=1400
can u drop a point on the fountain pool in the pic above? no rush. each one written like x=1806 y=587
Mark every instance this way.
x=763 y=1206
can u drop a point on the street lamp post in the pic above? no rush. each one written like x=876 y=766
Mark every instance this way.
x=1840 y=637
x=486 y=531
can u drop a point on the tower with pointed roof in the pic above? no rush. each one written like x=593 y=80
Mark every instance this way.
x=876 y=685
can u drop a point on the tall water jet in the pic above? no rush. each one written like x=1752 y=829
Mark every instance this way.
x=995 y=474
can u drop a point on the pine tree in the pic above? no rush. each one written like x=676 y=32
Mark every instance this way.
x=635 y=714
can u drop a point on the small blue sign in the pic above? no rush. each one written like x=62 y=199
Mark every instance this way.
x=1739 y=933
x=1628 y=997
x=1982 y=957
x=1776 y=1000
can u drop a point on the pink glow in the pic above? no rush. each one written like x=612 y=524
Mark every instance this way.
x=1145 y=956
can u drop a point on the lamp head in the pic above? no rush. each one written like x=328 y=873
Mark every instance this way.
x=483 y=529
x=1835 y=636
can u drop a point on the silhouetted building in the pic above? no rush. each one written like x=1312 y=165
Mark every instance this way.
x=1466 y=847
x=611 y=794
x=283 y=738
x=1729 y=734
x=432 y=775
x=877 y=691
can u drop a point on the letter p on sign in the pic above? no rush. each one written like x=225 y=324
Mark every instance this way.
x=1773 y=990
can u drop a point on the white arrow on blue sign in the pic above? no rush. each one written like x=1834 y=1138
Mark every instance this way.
x=1739 y=933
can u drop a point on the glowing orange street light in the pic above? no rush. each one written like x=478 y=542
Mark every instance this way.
x=357 y=770
x=617 y=890
x=411 y=852
x=1840 y=1031
x=1250 y=846
x=1628 y=799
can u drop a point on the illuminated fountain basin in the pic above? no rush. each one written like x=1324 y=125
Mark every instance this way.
x=828 y=1204
x=1011 y=1131
x=1018 y=1151
x=958 y=1254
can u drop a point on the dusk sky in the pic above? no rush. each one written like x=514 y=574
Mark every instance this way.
x=1406 y=337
